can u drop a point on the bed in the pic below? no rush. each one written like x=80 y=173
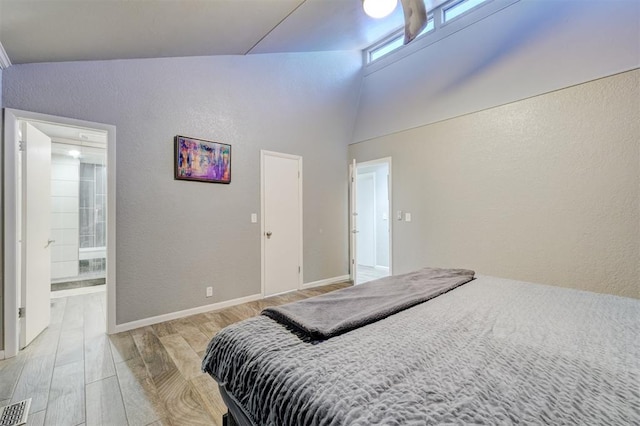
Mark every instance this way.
x=488 y=351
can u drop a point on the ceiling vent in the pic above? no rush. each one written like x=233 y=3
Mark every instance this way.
x=91 y=137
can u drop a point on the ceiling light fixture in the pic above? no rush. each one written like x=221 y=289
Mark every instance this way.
x=379 y=8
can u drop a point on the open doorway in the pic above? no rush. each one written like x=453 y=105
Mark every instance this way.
x=60 y=216
x=371 y=224
x=78 y=208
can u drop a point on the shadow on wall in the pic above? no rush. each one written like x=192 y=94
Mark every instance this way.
x=522 y=32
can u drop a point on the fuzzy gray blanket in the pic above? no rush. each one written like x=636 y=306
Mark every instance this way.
x=337 y=312
x=492 y=351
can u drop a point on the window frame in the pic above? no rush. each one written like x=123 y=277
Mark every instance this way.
x=439 y=31
x=457 y=3
x=394 y=37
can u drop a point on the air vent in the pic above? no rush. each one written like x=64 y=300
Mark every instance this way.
x=91 y=137
x=15 y=414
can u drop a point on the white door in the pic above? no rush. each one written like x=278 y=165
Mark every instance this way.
x=366 y=206
x=281 y=222
x=36 y=232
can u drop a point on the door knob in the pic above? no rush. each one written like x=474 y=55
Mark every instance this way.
x=49 y=243
x=268 y=234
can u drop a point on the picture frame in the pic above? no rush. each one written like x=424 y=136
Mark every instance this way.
x=201 y=160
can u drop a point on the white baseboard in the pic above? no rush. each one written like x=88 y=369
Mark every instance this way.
x=181 y=314
x=119 y=328
x=382 y=268
x=327 y=281
x=1 y=354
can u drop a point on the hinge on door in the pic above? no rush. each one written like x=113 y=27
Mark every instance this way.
x=298 y=175
x=22 y=145
x=22 y=312
x=299 y=269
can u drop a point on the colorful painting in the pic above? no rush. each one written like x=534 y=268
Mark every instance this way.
x=200 y=160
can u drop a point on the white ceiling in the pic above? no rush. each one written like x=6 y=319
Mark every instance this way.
x=74 y=30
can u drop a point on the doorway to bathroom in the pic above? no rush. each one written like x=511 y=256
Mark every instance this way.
x=59 y=195
x=78 y=208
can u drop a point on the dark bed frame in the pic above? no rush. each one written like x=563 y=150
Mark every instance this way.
x=236 y=414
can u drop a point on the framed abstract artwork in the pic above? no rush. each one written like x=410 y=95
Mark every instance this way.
x=202 y=160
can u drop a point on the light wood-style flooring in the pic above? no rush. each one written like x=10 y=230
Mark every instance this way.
x=369 y=273
x=78 y=375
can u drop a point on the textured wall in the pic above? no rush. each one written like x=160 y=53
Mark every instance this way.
x=174 y=238
x=530 y=47
x=1 y=227
x=546 y=189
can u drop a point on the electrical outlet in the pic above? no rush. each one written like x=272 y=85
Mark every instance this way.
x=209 y=291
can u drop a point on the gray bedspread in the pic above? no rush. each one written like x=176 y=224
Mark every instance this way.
x=492 y=351
x=334 y=313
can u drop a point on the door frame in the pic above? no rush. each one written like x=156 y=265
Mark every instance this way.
x=12 y=210
x=263 y=154
x=353 y=173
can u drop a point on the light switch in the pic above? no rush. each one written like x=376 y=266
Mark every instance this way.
x=399 y=215
x=385 y=216
x=254 y=218
x=407 y=217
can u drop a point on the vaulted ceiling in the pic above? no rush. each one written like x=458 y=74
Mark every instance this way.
x=73 y=30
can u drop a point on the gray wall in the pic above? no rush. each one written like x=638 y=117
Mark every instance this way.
x=174 y=238
x=1 y=217
x=545 y=189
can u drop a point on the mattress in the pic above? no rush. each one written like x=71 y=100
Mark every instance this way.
x=491 y=351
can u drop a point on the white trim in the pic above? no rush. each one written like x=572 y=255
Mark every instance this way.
x=382 y=268
x=5 y=62
x=1 y=354
x=111 y=230
x=264 y=153
x=11 y=269
x=390 y=216
x=353 y=220
x=185 y=313
x=375 y=162
x=301 y=216
x=11 y=284
x=262 y=230
x=326 y=281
